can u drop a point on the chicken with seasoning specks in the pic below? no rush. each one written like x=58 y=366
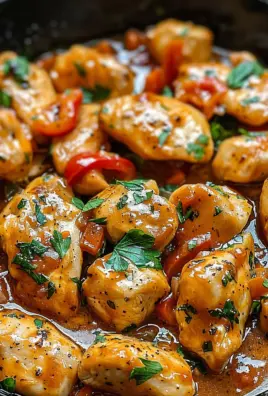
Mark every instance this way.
x=39 y=234
x=214 y=302
x=158 y=128
x=36 y=357
x=116 y=363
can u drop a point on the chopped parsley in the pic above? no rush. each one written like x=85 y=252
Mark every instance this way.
x=40 y=217
x=192 y=244
x=38 y=323
x=190 y=213
x=80 y=69
x=18 y=67
x=163 y=136
x=135 y=247
x=167 y=92
x=78 y=283
x=51 y=288
x=140 y=194
x=5 y=99
x=78 y=203
x=8 y=384
x=142 y=374
x=189 y=311
x=94 y=95
x=228 y=277
x=240 y=74
x=98 y=220
x=91 y=204
x=122 y=202
x=218 y=211
x=247 y=101
x=99 y=338
x=197 y=149
x=265 y=283
x=59 y=244
x=228 y=312
x=22 y=203
x=217 y=188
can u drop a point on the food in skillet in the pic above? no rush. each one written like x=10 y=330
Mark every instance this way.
x=140 y=240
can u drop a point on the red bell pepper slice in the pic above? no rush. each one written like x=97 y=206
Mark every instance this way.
x=92 y=239
x=194 y=93
x=165 y=310
x=61 y=117
x=155 y=81
x=173 y=57
x=82 y=163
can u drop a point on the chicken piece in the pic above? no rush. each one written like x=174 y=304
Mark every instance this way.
x=197 y=40
x=237 y=57
x=158 y=128
x=124 y=211
x=214 y=209
x=87 y=136
x=214 y=302
x=15 y=147
x=264 y=209
x=38 y=231
x=27 y=98
x=242 y=159
x=86 y=67
x=126 y=298
x=114 y=364
x=250 y=104
x=33 y=352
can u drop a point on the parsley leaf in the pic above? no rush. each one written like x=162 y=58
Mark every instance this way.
x=93 y=204
x=192 y=244
x=40 y=217
x=139 y=192
x=5 y=99
x=51 y=288
x=8 y=384
x=247 y=101
x=133 y=185
x=122 y=202
x=240 y=74
x=18 y=67
x=197 y=149
x=167 y=92
x=78 y=203
x=189 y=213
x=265 y=283
x=59 y=244
x=228 y=312
x=99 y=220
x=78 y=282
x=94 y=95
x=80 y=69
x=143 y=374
x=100 y=338
x=135 y=247
x=228 y=277
x=163 y=136
x=38 y=323
x=189 y=311
x=22 y=203
x=218 y=211
x=29 y=249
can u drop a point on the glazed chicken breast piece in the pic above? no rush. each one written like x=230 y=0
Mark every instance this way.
x=158 y=128
x=86 y=137
x=242 y=159
x=40 y=359
x=15 y=147
x=137 y=205
x=39 y=234
x=121 y=364
x=214 y=302
x=197 y=40
x=81 y=66
x=264 y=209
x=31 y=90
x=208 y=216
x=123 y=298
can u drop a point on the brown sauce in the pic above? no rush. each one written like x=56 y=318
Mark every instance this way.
x=248 y=368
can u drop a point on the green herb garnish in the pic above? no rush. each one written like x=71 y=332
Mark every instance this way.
x=143 y=374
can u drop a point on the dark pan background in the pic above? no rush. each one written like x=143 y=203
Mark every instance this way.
x=32 y=27
x=35 y=26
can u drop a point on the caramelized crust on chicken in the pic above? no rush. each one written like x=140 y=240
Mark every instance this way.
x=33 y=352
x=214 y=302
x=86 y=137
x=108 y=365
x=197 y=40
x=154 y=216
x=15 y=147
x=158 y=128
x=42 y=278
x=264 y=209
x=123 y=298
x=86 y=67
x=29 y=98
x=242 y=159
x=215 y=209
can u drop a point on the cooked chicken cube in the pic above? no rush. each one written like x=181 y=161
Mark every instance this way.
x=264 y=209
x=39 y=234
x=214 y=209
x=123 y=298
x=86 y=67
x=28 y=85
x=137 y=205
x=15 y=147
x=197 y=40
x=214 y=302
x=158 y=128
x=242 y=159
x=86 y=137
x=41 y=360
x=127 y=366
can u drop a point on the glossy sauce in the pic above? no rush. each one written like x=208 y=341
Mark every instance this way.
x=248 y=368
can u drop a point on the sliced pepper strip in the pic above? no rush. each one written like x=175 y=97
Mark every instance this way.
x=61 y=117
x=173 y=57
x=80 y=164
